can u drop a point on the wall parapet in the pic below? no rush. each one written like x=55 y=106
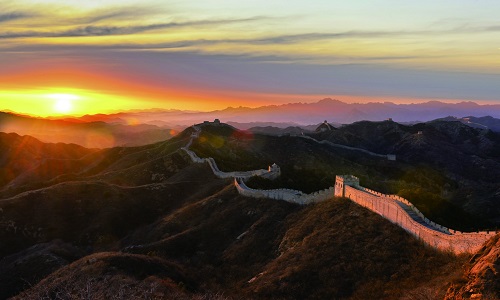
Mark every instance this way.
x=392 y=207
x=293 y=196
x=409 y=205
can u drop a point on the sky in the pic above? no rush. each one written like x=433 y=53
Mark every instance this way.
x=97 y=56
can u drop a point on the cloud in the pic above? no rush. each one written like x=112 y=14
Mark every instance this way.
x=5 y=17
x=297 y=38
x=268 y=74
x=120 y=13
x=124 y=30
x=493 y=28
x=121 y=30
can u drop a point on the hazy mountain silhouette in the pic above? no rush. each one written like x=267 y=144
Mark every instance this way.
x=95 y=134
x=341 y=112
x=135 y=128
x=308 y=113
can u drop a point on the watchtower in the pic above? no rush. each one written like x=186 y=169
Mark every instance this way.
x=341 y=181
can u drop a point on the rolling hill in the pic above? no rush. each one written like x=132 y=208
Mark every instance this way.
x=139 y=222
x=486 y=122
x=461 y=163
x=449 y=171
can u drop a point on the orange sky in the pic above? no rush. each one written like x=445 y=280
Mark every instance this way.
x=107 y=94
x=108 y=55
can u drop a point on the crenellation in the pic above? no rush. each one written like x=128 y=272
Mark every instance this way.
x=288 y=195
x=434 y=234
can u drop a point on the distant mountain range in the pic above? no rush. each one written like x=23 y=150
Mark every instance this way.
x=134 y=128
x=94 y=134
x=334 y=111
x=341 y=112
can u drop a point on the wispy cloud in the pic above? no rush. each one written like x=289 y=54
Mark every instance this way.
x=493 y=28
x=121 y=30
x=5 y=17
x=120 y=13
x=271 y=40
x=92 y=30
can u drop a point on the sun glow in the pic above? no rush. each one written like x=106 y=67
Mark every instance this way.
x=63 y=103
x=46 y=102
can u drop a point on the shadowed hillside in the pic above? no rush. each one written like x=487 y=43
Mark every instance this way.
x=229 y=245
x=133 y=223
x=29 y=164
x=26 y=157
x=433 y=183
x=458 y=164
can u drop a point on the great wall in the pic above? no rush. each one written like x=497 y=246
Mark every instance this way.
x=271 y=173
x=392 y=207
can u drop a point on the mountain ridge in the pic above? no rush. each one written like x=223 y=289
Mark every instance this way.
x=325 y=109
x=95 y=134
x=190 y=235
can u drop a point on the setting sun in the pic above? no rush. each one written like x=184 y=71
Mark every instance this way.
x=63 y=103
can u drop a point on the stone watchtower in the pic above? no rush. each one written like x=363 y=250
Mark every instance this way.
x=341 y=181
x=274 y=171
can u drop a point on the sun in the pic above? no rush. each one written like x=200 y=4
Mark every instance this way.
x=63 y=106
x=63 y=103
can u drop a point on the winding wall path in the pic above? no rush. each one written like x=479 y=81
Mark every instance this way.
x=401 y=212
x=392 y=207
x=271 y=172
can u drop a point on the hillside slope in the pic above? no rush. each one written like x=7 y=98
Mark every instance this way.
x=246 y=248
x=459 y=164
x=146 y=222
x=25 y=156
x=482 y=277
x=438 y=179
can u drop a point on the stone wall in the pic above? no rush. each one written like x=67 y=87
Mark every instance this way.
x=324 y=142
x=288 y=195
x=271 y=173
x=435 y=235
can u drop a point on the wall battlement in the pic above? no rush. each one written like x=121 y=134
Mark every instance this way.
x=403 y=213
x=288 y=195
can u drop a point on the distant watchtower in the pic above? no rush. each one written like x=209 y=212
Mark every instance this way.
x=274 y=168
x=341 y=181
x=273 y=172
x=324 y=127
